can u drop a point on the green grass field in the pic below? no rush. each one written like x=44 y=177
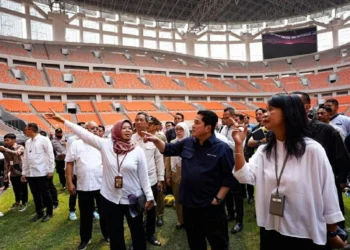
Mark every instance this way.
x=16 y=233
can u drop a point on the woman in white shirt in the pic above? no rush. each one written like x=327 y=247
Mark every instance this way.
x=296 y=200
x=173 y=171
x=124 y=173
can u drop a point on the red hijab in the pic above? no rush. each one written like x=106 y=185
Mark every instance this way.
x=121 y=146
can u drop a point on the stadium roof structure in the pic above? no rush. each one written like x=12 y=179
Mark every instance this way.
x=203 y=12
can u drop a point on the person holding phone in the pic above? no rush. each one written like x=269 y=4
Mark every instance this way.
x=296 y=200
x=13 y=154
x=121 y=159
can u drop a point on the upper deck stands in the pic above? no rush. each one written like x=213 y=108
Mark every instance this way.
x=84 y=79
x=163 y=82
x=178 y=106
x=126 y=81
x=33 y=76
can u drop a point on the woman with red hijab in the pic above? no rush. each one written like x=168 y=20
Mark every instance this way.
x=124 y=173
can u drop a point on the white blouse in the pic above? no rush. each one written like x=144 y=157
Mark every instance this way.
x=308 y=184
x=133 y=169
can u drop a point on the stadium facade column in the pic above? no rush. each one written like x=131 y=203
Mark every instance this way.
x=101 y=20
x=157 y=29
x=141 y=39
x=28 y=22
x=190 y=41
x=120 y=32
x=59 y=22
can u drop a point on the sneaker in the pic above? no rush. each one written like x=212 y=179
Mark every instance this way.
x=1 y=214
x=96 y=215
x=15 y=206
x=22 y=208
x=72 y=216
x=83 y=245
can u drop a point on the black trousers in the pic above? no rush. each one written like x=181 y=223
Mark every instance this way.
x=41 y=195
x=250 y=190
x=20 y=189
x=114 y=214
x=341 y=205
x=86 y=203
x=73 y=198
x=151 y=216
x=271 y=239
x=53 y=192
x=207 y=223
x=60 y=165
x=234 y=202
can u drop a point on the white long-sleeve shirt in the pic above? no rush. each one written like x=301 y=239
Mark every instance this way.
x=308 y=184
x=39 y=159
x=133 y=170
x=342 y=122
x=154 y=158
x=88 y=165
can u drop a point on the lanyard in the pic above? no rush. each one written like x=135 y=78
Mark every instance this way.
x=120 y=165
x=278 y=178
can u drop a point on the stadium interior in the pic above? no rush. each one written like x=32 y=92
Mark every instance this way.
x=103 y=66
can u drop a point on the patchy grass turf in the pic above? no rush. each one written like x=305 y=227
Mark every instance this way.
x=60 y=233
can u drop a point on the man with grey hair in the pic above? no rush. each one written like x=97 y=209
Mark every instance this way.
x=88 y=168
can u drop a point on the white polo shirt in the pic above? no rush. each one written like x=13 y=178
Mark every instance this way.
x=88 y=165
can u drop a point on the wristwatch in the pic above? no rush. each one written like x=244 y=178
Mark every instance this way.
x=218 y=199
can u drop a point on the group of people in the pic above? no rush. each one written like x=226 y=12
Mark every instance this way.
x=299 y=166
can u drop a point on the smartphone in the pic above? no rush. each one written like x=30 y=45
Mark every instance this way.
x=258 y=134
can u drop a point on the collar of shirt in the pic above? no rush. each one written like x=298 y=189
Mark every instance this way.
x=209 y=141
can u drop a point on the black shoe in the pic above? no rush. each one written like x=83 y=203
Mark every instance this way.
x=83 y=245
x=46 y=217
x=237 y=228
x=107 y=240
x=36 y=217
x=230 y=217
x=251 y=200
x=154 y=241
x=160 y=221
x=54 y=206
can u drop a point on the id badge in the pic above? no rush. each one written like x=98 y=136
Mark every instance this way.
x=119 y=181
x=277 y=204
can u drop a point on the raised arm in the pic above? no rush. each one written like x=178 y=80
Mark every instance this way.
x=91 y=139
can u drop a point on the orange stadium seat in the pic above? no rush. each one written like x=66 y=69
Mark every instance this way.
x=163 y=82
x=245 y=84
x=89 y=117
x=341 y=99
x=139 y=106
x=219 y=85
x=260 y=104
x=85 y=106
x=344 y=77
x=33 y=75
x=82 y=54
x=112 y=118
x=239 y=105
x=267 y=85
x=39 y=51
x=10 y=48
x=126 y=81
x=103 y=106
x=292 y=83
x=319 y=81
x=44 y=107
x=15 y=106
x=188 y=116
x=30 y=118
x=56 y=78
x=192 y=83
x=55 y=52
x=178 y=106
x=6 y=76
x=84 y=79
x=212 y=105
